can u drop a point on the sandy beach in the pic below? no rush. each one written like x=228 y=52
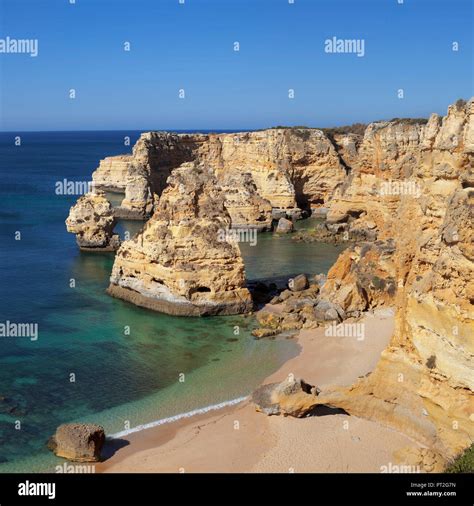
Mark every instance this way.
x=239 y=439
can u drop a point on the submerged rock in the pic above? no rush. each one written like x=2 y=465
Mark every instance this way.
x=78 y=442
x=263 y=332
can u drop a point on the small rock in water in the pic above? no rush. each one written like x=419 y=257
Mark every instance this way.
x=260 y=333
x=284 y=226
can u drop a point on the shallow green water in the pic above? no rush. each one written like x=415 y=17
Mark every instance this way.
x=86 y=365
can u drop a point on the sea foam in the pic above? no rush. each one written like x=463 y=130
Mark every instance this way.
x=175 y=418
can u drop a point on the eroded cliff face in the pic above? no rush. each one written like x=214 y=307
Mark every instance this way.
x=290 y=167
x=183 y=262
x=112 y=173
x=423 y=384
x=143 y=174
x=382 y=171
x=278 y=168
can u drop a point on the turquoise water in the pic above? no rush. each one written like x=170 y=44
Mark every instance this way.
x=100 y=359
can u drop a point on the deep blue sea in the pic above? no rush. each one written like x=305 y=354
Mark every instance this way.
x=84 y=366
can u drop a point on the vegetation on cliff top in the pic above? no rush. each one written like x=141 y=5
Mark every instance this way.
x=463 y=463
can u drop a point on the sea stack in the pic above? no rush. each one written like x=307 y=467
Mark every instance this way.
x=182 y=263
x=92 y=220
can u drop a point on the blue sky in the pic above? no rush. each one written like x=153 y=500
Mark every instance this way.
x=191 y=47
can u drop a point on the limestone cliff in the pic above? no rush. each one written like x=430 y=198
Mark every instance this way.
x=423 y=384
x=183 y=262
x=279 y=168
x=112 y=173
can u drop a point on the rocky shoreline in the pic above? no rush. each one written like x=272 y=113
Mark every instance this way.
x=401 y=196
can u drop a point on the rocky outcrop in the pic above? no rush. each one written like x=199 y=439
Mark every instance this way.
x=362 y=278
x=112 y=173
x=143 y=174
x=139 y=200
x=92 y=220
x=183 y=262
x=271 y=169
x=247 y=209
x=291 y=397
x=78 y=442
x=290 y=167
x=423 y=384
x=158 y=153
x=291 y=309
x=284 y=226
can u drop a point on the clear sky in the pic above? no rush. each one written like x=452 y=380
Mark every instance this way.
x=190 y=46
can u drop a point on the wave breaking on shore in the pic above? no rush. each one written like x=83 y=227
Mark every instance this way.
x=180 y=416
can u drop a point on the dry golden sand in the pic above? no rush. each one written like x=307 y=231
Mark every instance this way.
x=238 y=439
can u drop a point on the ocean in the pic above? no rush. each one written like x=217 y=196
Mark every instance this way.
x=99 y=359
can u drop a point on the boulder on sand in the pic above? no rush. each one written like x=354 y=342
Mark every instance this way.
x=291 y=397
x=78 y=442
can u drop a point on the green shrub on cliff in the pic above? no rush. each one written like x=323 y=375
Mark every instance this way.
x=463 y=463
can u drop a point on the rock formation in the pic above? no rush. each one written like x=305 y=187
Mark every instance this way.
x=284 y=226
x=291 y=397
x=112 y=173
x=92 y=220
x=247 y=209
x=78 y=442
x=138 y=202
x=280 y=168
x=423 y=384
x=144 y=173
x=403 y=194
x=183 y=262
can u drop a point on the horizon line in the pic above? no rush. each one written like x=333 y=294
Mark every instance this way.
x=207 y=130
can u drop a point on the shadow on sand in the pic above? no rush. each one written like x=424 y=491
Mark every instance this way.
x=112 y=446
